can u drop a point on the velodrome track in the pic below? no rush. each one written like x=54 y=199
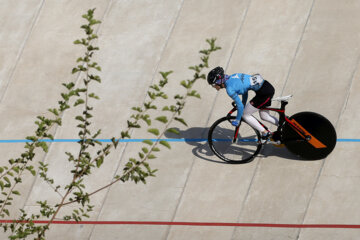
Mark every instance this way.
x=307 y=48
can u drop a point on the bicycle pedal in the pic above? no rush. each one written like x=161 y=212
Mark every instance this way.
x=277 y=144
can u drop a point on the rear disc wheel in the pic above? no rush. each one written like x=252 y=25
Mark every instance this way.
x=319 y=127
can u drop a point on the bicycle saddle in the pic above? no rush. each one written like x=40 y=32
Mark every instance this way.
x=282 y=99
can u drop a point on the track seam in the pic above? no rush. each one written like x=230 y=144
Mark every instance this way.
x=348 y=91
x=297 y=48
x=323 y=161
x=57 y=127
x=50 y=145
x=207 y=122
x=230 y=57
x=20 y=52
x=356 y=68
x=123 y=149
x=167 y=232
x=246 y=198
x=229 y=60
x=121 y=155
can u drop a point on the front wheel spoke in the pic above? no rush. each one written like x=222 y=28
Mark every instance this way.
x=246 y=146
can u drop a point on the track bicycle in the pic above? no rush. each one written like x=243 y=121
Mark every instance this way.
x=308 y=135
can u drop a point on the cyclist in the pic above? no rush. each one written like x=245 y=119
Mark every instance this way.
x=239 y=84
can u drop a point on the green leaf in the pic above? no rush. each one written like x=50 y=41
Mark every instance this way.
x=65 y=96
x=137 y=109
x=155 y=87
x=183 y=83
x=16 y=169
x=32 y=138
x=133 y=125
x=162 y=119
x=181 y=120
x=148 y=142
x=155 y=149
x=125 y=134
x=173 y=130
x=165 y=143
x=75 y=70
x=165 y=74
x=147 y=119
x=54 y=111
x=194 y=94
x=96 y=78
x=92 y=95
x=148 y=106
x=43 y=145
x=16 y=192
x=154 y=131
x=99 y=162
x=178 y=96
x=2 y=185
x=50 y=136
x=145 y=150
x=78 y=102
x=80 y=118
x=164 y=96
x=151 y=156
x=6 y=211
x=115 y=142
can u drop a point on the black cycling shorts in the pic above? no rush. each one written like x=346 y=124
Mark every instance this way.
x=263 y=96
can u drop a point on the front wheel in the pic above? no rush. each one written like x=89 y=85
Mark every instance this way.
x=241 y=150
x=319 y=127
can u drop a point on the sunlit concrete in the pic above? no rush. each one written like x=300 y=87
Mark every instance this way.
x=306 y=48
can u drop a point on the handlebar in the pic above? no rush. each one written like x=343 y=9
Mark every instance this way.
x=232 y=110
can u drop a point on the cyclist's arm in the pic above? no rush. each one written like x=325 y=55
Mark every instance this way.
x=239 y=104
x=244 y=98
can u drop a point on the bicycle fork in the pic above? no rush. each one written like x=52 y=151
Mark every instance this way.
x=236 y=133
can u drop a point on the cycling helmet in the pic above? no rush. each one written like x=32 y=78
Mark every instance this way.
x=215 y=75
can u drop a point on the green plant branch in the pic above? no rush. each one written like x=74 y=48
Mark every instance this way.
x=176 y=112
x=129 y=170
x=83 y=163
x=45 y=124
x=11 y=191
x=106 y=150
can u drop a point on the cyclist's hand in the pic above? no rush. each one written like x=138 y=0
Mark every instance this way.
x=235 y=123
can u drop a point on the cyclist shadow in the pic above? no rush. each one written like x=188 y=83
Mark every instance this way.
x=197 y=137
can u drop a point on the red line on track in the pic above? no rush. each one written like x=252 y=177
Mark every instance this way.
x=204 y=224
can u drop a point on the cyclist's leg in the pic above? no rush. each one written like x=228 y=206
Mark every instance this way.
x=266 y=116
x=250 y=119
x=262 y=99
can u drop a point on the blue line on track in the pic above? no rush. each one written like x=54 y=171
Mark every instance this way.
x=140 y=140
x=348 y=140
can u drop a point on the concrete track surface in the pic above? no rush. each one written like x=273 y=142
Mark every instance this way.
x=307 y=48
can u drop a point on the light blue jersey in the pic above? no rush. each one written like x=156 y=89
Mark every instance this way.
x=239 y=84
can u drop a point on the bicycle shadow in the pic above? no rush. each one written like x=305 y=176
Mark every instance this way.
x=197 y=137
